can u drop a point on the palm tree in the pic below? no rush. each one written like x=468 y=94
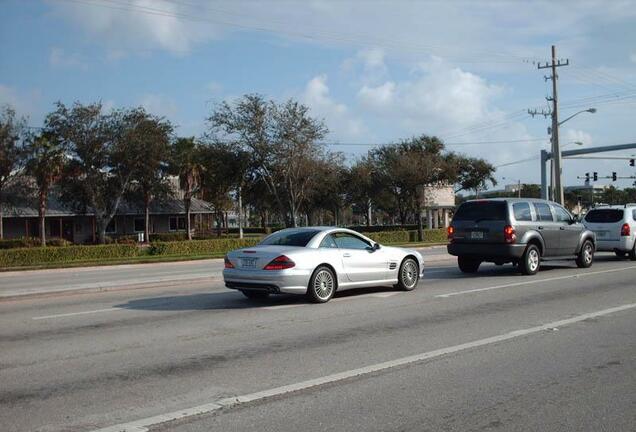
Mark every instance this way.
x=185 y=160
x=45 y=160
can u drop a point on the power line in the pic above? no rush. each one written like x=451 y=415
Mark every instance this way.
x=446 y=143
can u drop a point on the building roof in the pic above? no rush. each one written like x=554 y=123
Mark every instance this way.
x=56 y=208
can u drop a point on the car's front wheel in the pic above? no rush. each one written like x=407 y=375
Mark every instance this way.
x=586 y=256
x=409 y=275
x=468 y=265
x=620 y=254
x=322 y=285
x=255 y=295
x=531 y=260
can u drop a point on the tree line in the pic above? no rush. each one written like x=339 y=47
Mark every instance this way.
x=265 y=156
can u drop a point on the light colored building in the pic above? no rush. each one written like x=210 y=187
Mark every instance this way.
x=439 y=203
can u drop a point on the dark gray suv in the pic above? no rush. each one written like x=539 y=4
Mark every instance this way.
x=522 y=231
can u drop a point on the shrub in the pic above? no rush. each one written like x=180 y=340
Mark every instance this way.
x=387 y=237
x=53 y=255
x=200 y=247
x=27 y=242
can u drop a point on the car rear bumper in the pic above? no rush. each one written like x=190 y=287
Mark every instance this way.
x=291 y=281
x=487 y=251
x=623 y=244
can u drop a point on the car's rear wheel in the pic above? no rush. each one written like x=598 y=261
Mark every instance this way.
x=621 y=254
x=632 y=253
x=586 y=256
x=409 y=275
x=322 y=285
x=531 y=260
x=467 y=264
x=255 y=295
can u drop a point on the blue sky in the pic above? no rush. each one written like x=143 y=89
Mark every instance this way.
x=374 y=71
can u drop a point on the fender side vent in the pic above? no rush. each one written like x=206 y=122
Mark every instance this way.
x=392 y=266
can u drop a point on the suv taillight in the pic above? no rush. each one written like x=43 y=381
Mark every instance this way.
x=227 y=262
x=509 y=234
x=450 y=233
x=625 y=231
x=280 y=263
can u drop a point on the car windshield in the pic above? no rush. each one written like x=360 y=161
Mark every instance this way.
x=604 y=216
x=290 y=238
x=481 y=210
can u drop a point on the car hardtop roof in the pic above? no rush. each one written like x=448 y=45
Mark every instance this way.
x=512 y=199
x=614 y=206
x=318 y=228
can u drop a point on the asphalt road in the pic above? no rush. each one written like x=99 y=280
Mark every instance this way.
x=495 y=351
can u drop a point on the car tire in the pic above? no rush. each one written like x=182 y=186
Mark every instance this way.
x=322 y=285
x=586 y=256
x=621 y=254
x=409 y=275
x=530 y=261
x=632 y=254
x=468 y=265
x=255 y=295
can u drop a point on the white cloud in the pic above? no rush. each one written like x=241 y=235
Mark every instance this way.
x=380 y=97
x=62 y=59
x=26 y=104
x=159 y=105
x=338 y=117
x=140 y=25
x=214 y=87
x=632 y=57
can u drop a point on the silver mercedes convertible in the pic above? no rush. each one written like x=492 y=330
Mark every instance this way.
x=318 y=261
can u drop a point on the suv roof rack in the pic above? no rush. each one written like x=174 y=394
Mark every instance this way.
x=630 y=205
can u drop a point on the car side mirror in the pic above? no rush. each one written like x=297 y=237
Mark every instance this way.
x=575 y=219
x=375 y=247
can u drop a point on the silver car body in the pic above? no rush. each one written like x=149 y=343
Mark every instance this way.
x=353 y=268
x=608 y=230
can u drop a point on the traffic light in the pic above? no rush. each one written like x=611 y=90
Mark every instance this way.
x=614 y=176
x=587 y=177
x=595 y=176
x=631 y=162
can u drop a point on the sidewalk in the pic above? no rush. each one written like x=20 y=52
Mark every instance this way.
x=32 y=283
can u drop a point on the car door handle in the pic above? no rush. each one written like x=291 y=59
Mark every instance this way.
x=561 y=228
x=346 y=255
x=540 y=227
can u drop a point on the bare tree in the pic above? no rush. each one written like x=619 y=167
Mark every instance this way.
x=186 y=164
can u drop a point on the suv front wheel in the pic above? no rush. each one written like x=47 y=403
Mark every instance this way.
x=530 y=261
x=586 y=256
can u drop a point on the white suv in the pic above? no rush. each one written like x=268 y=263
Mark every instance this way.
x=615 y=228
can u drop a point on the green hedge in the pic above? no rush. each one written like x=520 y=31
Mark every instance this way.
x=29 y=242
x=49 y=255
x=200 y=247
x=387 y=237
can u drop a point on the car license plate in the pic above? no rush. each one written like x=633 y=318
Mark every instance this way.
x=601 y=233
x=248 y=262
x=477 y=235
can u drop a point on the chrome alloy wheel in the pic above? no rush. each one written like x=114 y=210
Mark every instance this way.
x=533 y=260
x=323 y=284
x=588 y=253
x=409 y=274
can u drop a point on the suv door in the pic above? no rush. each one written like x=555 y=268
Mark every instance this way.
x=548 y=228
x=569 y=231
x=361 y=262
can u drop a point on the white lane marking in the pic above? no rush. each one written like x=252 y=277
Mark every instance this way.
x=532 y=282
x=112 y=309
x=335 y=300
x=143 y=425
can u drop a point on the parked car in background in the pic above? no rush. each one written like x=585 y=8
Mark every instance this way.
x=614 y=227
x=317 y=262
x=522 y=231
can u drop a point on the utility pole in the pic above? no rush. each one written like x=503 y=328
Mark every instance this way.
x=556 y=149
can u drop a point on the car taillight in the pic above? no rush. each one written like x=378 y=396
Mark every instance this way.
x=450 y=231
x=625 y=231
x=509 y=234
x=227 y=262
x=280 y=263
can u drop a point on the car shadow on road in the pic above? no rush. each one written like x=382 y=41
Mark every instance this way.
x=205 y=301
x=230 y=300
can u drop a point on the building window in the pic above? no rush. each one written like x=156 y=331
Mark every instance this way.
x=139 y=224
x=111 y=228
x=177 y=223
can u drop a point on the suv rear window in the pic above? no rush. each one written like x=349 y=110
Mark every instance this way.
x=481 y=210
x=290 y=238
x=604 y=216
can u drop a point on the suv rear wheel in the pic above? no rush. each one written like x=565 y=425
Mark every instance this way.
x=586 y=256
x=530 y=261
x=468 y=265
x=632 y=254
